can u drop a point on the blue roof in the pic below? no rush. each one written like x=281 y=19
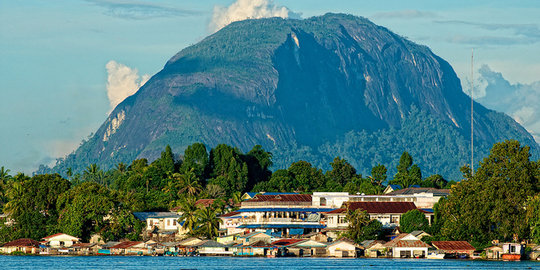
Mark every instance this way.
x=395 y=187
x=285 y=209
x=429 y=210
x=146 y=215
x=279 y=226
x=251 y=194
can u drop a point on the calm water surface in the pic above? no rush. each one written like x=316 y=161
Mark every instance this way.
x=202 y=263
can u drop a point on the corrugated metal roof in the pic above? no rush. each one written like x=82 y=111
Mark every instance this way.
x=378 y=207
x=286 y=242
x=416 y=190
x=23 y=242
x=126 y=244
x=279 y=226
x=398 y=242
x=281 y=198
x=205 y=202
x=230 y=214
x=452 y=245
x=276 y=209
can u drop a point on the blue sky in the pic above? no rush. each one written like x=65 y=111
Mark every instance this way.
x=62 y=60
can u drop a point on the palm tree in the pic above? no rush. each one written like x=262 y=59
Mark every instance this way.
x=188 y=209
x=92 y=173
x=4 y=174
x=190 y=183
x=15 y=204
x=4 y=177
x=208 y=222
x=170 y=189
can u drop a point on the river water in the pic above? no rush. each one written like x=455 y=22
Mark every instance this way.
x=203 y=263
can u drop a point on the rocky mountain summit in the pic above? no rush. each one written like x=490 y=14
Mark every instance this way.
x=312 y=89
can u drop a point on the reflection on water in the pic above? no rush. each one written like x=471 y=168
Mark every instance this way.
x=203 y=263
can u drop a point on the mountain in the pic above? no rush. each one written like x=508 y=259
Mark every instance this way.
x=313 y=89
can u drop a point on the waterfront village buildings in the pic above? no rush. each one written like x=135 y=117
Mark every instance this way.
x=282 y=224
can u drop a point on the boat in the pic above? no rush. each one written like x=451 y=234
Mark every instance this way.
x=435 y=255
x=511 y=257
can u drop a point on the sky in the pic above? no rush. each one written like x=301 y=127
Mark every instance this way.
x=65 y=64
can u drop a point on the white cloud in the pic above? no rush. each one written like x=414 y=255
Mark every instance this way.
x=521 y=101
x=248 y=9
x=122 y=82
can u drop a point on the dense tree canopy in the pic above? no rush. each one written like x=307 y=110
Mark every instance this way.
x=413 y=220
x=491 y=203
x=499 y=201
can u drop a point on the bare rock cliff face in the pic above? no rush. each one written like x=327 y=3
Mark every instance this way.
x=303 y=89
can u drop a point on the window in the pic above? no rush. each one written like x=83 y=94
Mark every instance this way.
x=323 y=201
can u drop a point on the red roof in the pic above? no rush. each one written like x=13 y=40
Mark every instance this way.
x=230 y=214
x=205 y=202
x=378 y=207
x=281 y=198
x=23 y=242
x=398 y=242
x=453 y=245
x=51 y=236
x=126 y=244
x=286 y=242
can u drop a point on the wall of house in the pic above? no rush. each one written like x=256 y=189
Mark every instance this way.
x=396 y=252
x=61 y=243
x=336 y=250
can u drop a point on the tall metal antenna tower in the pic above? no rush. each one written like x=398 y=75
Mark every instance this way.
x=472 y=110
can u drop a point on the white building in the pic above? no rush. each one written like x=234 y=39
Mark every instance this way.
x=161 y=224
x=407 y=246
x=60 y=240
x=388 y=213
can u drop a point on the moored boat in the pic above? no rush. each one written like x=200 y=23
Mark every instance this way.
x=435 y=255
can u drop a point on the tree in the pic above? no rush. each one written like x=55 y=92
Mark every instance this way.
x=166 y=162
x=413 y=220
x=228 y=169
x=342 y=171
x=207 y=222
x=196 y=158
x=378 y=175
x=490 y=204
x=407 y=173
x=258 y=162
x=188 y=183
x=306 y=178
x=215 y=191
x=280 y=181
x=83 y=208
x=533 y=217
x=435 y=181
x=122 y=224
x=361 y=227
x=32 y=204
x=188 y=209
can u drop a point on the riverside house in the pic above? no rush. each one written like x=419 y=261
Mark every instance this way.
x=23 y=245
x=458 y=248
x=343 y=248
x=60 y=240
x=407 y=246
x=161 y=226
